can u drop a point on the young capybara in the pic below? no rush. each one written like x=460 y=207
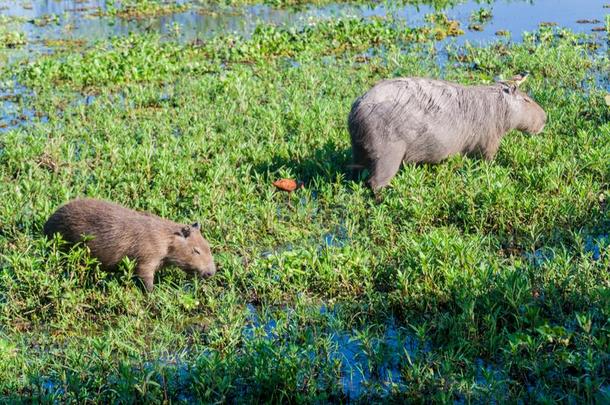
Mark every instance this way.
x=425 y=120
x=114 y=232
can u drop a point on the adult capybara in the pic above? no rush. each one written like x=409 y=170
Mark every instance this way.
x=113 y=232
x=426 y=120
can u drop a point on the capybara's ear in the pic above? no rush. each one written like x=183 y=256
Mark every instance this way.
x=185 y=231
x=520 y=78
x=196 y=226
x=509 y=87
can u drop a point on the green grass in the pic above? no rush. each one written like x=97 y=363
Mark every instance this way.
x=11 y=38
x=136 y=9
x=146 y=8
x=479 y=18
x=488 y=268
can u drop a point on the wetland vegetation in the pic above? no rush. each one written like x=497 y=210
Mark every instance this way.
x=471 y=281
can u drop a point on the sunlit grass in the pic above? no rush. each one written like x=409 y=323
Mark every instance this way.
x=491 y=276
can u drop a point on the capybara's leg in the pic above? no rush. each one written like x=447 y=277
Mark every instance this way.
x=385 y=167
x=490 y=150
x=146 y=273
x=360 y=160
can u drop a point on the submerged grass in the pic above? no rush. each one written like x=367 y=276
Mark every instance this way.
x=494 y=273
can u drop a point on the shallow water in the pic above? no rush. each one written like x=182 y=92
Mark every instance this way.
x=82 y=21
x=364 y=366
x=515 y=16
x=13 y=108
x=77 y=20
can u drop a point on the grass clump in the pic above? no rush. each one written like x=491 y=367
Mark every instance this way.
x=138 y=9
x=471 y=281
x=478 y=18
x=148 y=59
x=436 y=4
x=442 y=26
x=12 y=38
x=45 y=20
x=124 y=59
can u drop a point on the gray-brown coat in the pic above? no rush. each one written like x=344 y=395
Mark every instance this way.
x=426 y=120
x=114 y=232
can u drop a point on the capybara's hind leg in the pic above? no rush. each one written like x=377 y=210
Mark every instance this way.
x=385 y=167
x=360 y=161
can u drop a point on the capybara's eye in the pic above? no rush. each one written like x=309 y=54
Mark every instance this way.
x=196 y=251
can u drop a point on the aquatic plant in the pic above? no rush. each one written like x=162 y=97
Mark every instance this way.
x=12 y=38
x=470 y=281
x=135 y=9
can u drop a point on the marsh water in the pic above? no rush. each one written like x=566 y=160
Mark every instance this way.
x=44 y=21
x=45 y=24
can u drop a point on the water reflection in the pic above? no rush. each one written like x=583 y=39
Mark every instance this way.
x=81 y=20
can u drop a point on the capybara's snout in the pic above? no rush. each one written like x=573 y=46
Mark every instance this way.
x=208 y=271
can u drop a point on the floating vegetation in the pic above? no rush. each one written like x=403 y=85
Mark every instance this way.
x=64 y=43
x=5 y=20
x=45 y=20
x=94 y=68
x=479 y=18
x=137 y=9
x=481 y=15
x=441 y=27
x=470 y=281
x=12 y=39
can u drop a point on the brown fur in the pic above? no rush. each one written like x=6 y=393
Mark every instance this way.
x=117 y=232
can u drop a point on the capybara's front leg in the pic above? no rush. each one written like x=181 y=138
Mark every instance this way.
x=146 y=273
x=491 y=149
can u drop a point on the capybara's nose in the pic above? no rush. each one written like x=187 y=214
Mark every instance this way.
x=209 y=271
